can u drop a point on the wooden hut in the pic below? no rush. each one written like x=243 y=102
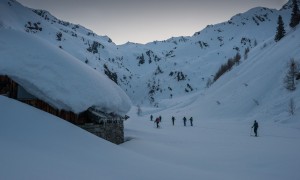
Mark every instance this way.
x=106 y=126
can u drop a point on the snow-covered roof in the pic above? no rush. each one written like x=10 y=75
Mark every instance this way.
x=56 y=77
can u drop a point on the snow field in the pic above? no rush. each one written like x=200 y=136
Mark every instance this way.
x=216 y=148
x=36 y=145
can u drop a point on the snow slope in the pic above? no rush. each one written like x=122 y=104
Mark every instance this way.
x=36 y=145
x=255 y=88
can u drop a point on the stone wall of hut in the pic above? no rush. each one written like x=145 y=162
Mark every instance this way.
x=112 y=131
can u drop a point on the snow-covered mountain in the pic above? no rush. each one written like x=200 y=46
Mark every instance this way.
x=158 y=70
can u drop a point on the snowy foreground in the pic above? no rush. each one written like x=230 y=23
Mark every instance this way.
x=36 y=145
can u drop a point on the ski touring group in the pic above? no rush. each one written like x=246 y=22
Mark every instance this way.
x=157 y=121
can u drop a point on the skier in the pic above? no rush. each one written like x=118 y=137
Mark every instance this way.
x=191 y=120
x=184 y=121
x=173 y=120
x=151 y=118
x=255 y=127
x=157 y=120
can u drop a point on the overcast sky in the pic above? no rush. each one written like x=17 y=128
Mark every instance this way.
x=143 y=21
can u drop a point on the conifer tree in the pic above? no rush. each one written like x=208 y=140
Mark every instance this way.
x=280 y=29
x=290 y=77
x=295 y=17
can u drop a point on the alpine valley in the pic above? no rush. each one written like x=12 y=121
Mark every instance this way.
x=157 y=70
x=176 y=77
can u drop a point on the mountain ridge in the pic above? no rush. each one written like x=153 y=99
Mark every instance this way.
x=160 y=69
